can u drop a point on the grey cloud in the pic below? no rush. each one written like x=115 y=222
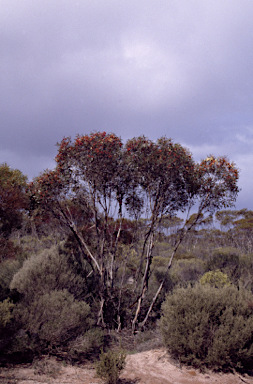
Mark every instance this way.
x=181 y=69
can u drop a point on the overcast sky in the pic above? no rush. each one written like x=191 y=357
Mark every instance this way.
x=180 y=68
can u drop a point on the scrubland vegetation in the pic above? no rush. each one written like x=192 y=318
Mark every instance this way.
x=97 y=245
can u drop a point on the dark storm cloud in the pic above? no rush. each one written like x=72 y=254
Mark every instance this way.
x=182 y=69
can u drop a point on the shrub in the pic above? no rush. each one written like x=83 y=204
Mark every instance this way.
x=8 y=268
x=147 y=340
x=44 y=273
x=227 y=260
x=46 y=365
x=87 y=345
x=8 y=250
x=216 y=279
x=206 y=326
x=246 y=271
x=186 y=270
x=7 y=328
x=110 y=365
x=6 y=308
x=50 y=321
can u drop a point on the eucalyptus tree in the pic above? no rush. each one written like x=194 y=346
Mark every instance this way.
x=13 y=199
x=89 y=173
x=13 y=207
x=104 y=180
x=215 y=187
x=165 y=180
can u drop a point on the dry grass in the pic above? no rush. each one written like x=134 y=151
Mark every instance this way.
x=149 y=367
x=47 y=365
x=141 y=341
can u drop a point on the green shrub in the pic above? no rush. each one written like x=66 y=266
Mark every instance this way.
x=147 y=340
x=8 y=269
x=216 y=279
x=6 y=308
x=206 y=326
x=50 y=321
x=46 y=365
x=44 y=273
x=227 y=260
x=87 y=345
x=6 y=324
x=186 y=270
x=246 y=271
x=110 y=365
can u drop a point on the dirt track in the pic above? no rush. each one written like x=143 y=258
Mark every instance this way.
x=150 y=367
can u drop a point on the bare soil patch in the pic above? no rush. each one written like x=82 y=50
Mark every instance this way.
x=148 y=367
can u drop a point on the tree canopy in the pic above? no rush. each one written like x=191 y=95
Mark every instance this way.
x=13 y=199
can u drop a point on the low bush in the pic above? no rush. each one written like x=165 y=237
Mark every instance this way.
x=86 y=346
x=46 y=365
x=110 y=365
x=187 y=271
x=216 y=279
x=8 y=269
x=208 y=326
x=227 y=260
x=45 y=272
x=6 y=308
x=147 y=340
x=50 y=321
x=6 y=325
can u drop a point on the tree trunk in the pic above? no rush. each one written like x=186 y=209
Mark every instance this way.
x=101 y=313
x=145 y=278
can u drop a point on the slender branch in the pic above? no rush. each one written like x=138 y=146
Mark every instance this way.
x=147 y=236
x=113 y=253
x=69 y=221
x=183 y=233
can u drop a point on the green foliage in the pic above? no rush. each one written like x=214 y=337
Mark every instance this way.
x=8 y=268
x=45 y=272
x=47 y=365
x=206 y=326
x=110 y=365
x=96 y=174
x=12 y=199
x=170 y=224
x=162 y=249
x=218 y=187
x=148 y=340
x=8 y=250
x=33 y=244
x=6 y=308
x=186 y=271
x=226 y=260
x=50 y=321
x=216 y=279
x=227 y=218
x=246 y=223
x=165 y=172
x=103 y=262
x=87 y=345
x=7 y=324
x=160 y=261
x=246 y=271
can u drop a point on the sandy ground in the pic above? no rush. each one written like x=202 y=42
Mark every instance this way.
x=150 y=367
